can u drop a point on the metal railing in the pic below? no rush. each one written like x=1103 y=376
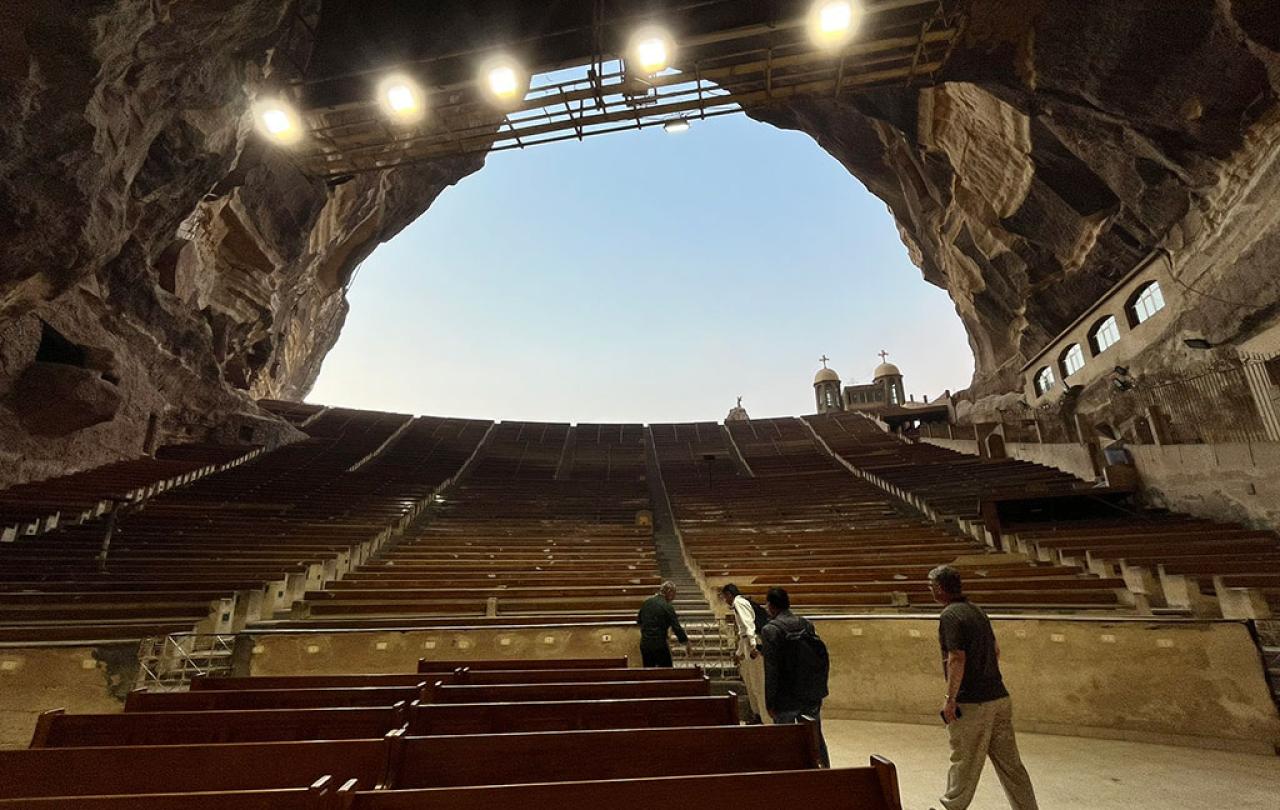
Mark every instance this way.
x=712 y=649
x=168 y=663
x=1233 y=401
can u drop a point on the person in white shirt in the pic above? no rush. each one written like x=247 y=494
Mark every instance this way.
x=748 y=656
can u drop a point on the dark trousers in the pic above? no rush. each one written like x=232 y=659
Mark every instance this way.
x=785 y=718
x=656 y=657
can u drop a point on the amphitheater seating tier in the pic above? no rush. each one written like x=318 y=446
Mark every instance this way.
x=836 y=542
x=543 y=527
x=236 y=545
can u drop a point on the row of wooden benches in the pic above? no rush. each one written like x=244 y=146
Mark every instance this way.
x=529 y=533
x=237 y=547
x=585 y=752
x=840 y=543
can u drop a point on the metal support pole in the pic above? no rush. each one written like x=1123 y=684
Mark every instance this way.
x=105 y=549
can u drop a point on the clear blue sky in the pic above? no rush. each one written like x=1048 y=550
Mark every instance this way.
x=642 y=277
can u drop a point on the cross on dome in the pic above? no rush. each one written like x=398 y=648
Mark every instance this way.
x=823 y=359
x=884 y=356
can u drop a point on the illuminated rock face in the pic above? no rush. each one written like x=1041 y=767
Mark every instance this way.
x=142 y=223
x=1069 y=142
x=192 y=270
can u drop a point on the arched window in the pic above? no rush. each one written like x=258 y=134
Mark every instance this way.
x=1147 y=301
x=1044 y=381
x=1072 y=360
x=1104 y=335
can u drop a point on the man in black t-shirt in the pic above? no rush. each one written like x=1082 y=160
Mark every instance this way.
x=977 y=709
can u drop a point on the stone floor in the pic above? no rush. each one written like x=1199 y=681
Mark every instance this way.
x=1070 y=773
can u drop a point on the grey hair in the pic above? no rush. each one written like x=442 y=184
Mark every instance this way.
x=946 y=578
x=667 y=585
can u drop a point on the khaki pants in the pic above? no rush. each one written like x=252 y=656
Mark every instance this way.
x=986 y=730
x=752 y=671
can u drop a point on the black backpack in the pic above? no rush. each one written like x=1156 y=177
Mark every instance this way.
x=804 y=664
x=762 y=615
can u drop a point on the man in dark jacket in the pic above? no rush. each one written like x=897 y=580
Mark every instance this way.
x=795 y=672
x=656 y=617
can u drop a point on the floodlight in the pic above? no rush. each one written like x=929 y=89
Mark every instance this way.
x=278 y=121
x=676 y=125
x=651 y=51
x=505 y=81
x=402 y=99
x=832 y=23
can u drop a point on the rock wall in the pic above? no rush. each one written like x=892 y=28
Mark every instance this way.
x=159 y=265
x=1066 y=143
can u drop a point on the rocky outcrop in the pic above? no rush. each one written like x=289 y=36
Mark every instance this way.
x=1065 y=144
x=158 y=264
x=187 y=269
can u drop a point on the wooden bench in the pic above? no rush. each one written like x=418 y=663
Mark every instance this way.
x=571 y=715
x=505 y=676
x=428 y=665
x=57 y=729
x=869 y=788
x=104 y=771
x=508 y=759
x=525 y=692
x=202 y=683
x=141 y=701
x=319 y=796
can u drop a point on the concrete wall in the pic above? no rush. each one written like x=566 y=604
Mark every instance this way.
x=78 y=679
x=1230 y=482
x=399 y=650
x=1176 y=682
x=1181 y=682
x=967 y=446
x=1070 y=458
x=1238 y=482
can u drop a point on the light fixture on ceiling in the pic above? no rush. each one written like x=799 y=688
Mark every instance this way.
x=278 y=121
x=402 y=99
x=676 y=125
x=505 y=81
x=651 y=51
x=832 y=23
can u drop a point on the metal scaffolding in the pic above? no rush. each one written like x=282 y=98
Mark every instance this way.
x=717 y=73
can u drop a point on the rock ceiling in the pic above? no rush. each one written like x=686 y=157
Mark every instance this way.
x=157 y=259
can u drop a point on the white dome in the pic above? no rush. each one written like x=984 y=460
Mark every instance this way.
x=886 y=370
x=826 y=375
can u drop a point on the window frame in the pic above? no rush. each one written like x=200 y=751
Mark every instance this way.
x=1037 y=380
x=1064 y=367
x=1096 y=330
x=1132 y=309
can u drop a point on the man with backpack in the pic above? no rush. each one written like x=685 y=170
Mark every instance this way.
x=750 y=618
x=796 y=665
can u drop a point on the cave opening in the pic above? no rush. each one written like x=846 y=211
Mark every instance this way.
x=57 y=348
x=639 y=277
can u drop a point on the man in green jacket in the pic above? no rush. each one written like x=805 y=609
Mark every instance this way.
x=657 y=616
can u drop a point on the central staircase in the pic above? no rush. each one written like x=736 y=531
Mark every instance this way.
x=712 y=648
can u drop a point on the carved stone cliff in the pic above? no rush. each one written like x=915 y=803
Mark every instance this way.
x=157 y=263
x=1068 y=142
